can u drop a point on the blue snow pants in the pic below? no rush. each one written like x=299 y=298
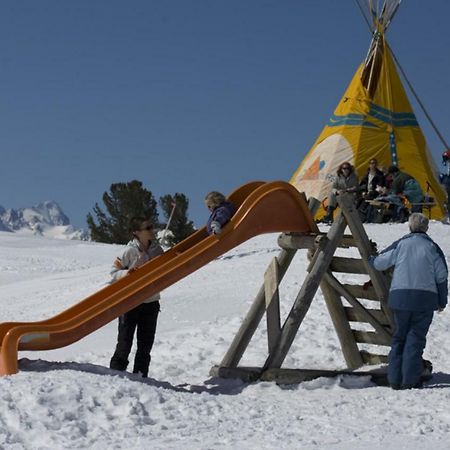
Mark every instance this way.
x=407 y=346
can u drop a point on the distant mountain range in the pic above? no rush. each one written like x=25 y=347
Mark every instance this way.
x=45 y=219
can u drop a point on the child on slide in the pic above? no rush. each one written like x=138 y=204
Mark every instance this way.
x=221 y=209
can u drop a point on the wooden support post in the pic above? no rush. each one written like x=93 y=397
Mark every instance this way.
x=345 y=335
x=297 y=241
x=293 y=376
x=348 y=265
x=254 y=316
x=309 y=288
x=303 y=240
x=271 y=282
x=379 y=280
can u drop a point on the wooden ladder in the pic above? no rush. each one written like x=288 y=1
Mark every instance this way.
x=348 y=304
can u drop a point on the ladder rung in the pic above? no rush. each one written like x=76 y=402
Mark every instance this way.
x=371 y=358
x=359 y=291
x=355 y=316
x=347 y=265
x=370 y=337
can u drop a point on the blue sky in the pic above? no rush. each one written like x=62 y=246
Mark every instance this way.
x=187 y=95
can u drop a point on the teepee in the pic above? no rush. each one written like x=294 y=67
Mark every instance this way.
x=374 y=119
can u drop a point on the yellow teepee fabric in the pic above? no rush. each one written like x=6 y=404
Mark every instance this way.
x=364 y=126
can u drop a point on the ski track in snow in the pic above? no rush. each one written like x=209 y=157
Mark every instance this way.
x=68 y=398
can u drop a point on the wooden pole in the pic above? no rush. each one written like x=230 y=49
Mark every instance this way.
x=254 y=316
x=321 y=261
x=379 y=280
x=348 y=343
x=360 y=308
x=271 y=283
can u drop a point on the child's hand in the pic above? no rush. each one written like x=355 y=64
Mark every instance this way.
x=216 y=228
x=118 y=264
x=133 y=269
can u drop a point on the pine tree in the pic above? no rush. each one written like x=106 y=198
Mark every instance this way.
x=179 y=225
x=124 y=201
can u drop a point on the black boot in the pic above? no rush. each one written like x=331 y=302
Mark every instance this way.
x=329 y=217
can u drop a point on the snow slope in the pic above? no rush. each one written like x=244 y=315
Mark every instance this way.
x=68 y=398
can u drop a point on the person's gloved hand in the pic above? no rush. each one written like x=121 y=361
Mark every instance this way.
x=216 y=228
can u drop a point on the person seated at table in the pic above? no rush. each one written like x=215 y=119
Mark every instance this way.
x=405 y=184
x=368 y=187
x=387 y=206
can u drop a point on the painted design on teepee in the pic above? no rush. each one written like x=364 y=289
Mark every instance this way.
x=313 y=172
x=319 y=168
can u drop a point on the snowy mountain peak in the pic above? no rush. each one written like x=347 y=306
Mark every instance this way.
x=45 y=219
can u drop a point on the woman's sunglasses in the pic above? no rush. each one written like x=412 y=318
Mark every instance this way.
x=147 y=228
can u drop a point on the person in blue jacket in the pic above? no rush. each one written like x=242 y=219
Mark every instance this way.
x=221 y=209
x=418 y=288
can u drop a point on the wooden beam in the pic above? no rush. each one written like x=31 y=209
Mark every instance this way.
x=369 y=337
x=254 y=316
x=322 y=259
x=299 y=241
x=361 y=292
x=272 y=296
x=354 y=315
x=247 y=374
x=379 y=280
x=295 y=376
x=372 y=359
x=385 y=333
x=292 y=376
x=348 y=265
x=346 y=338
x=296 y=241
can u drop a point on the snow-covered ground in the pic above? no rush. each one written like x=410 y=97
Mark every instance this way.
x=68 y=398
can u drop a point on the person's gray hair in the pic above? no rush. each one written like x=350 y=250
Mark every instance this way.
x=418 y=223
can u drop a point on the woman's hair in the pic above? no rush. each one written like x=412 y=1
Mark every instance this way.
x=344 y=164
x=135 y=223
x=214 y=198
x=418 y=223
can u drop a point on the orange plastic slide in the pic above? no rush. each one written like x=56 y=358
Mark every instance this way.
x=262 y=208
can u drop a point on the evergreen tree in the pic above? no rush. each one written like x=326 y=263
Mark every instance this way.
x=124 y=201
x=179 y=225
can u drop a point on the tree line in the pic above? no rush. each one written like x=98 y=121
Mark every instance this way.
x=132 y=199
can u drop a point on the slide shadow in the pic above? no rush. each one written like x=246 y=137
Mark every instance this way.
x=212 y=386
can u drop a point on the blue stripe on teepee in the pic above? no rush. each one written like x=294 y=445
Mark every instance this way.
x=350 y=119
x=396 y=119
x=377 y=112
